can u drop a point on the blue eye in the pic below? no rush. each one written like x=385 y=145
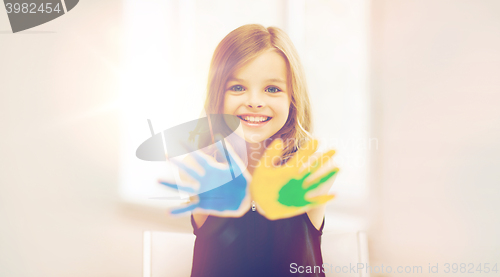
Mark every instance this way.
x=273 y=89
x=237 y=88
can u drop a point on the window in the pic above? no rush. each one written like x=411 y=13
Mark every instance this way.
x=168 y=48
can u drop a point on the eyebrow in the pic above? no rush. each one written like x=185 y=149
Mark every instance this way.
x=276 y=80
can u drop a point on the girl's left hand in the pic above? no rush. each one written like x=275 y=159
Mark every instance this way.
x=280 y=191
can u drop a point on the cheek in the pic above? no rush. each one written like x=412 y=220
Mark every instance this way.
x=228 y=104
x=284 y=108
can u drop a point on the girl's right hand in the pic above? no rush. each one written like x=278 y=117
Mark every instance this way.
x=214 y=195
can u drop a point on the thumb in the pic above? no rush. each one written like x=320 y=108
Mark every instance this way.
x=183 y=210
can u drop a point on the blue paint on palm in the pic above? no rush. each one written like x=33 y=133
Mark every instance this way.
x=227 y=197
x=212 y=194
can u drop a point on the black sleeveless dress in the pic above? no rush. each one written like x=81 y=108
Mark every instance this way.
x=255 y=246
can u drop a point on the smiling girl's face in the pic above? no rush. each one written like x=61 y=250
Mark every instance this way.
x=258 y=94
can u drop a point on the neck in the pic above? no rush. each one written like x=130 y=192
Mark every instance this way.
x=254 y=153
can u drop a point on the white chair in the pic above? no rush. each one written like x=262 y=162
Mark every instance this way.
x=343 y=252
x=170 y=254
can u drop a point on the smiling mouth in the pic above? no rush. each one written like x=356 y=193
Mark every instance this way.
x=254 y=119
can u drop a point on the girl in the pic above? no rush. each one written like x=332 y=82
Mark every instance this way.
x=255 y=74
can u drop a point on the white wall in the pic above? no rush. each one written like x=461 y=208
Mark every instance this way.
x=60 y=212
x=436 y=90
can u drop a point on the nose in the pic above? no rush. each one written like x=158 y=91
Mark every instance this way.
x=255 y=100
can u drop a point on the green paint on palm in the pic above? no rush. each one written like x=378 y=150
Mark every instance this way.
x=292 y=194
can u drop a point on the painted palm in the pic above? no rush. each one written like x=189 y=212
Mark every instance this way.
x=217 y=194
x=281 y=191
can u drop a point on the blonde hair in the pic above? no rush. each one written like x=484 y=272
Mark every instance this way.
x=238 y=48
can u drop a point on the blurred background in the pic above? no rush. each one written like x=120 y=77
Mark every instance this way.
x=406 y=90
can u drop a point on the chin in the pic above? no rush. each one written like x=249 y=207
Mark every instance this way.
x=255 y=138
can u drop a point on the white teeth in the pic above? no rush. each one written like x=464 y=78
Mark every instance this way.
x=255 y=119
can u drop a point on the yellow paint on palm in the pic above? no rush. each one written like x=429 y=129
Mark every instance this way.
x=279 y=191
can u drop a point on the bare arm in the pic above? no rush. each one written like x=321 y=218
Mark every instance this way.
x=199 y=216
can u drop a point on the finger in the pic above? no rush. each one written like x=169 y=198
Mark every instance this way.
x=304 y=176
x=185 y=209
x=273 y=153
x=235 y=163
x=175 y=186
x=318 y=162
x=322 y=199
x=191 y=172
x=316 y=182
x=304 y=152
x=201 y=158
